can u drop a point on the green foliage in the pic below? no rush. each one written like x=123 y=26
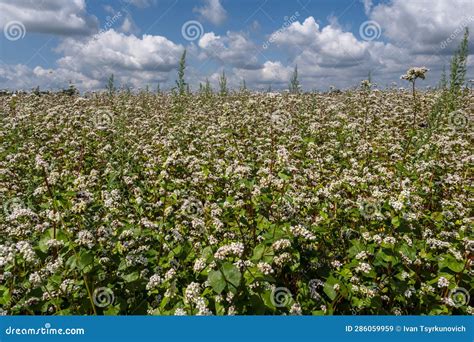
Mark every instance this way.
x=181 y=84
x=294 y=86
x=223 y=90
x=207 y=89
x=199 y=204
x=458 y=73
x=111 y=85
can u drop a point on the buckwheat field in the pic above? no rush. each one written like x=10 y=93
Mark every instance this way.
x=317 y=203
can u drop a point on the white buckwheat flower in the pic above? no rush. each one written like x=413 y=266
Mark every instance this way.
x=199 y=265
x=300 y=231
x=265 y=268
x=155 y=281
x=443 y=282
x=235 y=248
x=281 y=244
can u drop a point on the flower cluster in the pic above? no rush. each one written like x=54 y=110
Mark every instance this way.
x=198 y=205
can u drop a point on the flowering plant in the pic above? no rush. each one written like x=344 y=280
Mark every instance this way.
x=243 y=204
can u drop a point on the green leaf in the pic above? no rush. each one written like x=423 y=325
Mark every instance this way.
x=437 y=216
x=112 y=311
x=131 y=277
x=258 y=252
x=329 y=288
x=356 y=248
x=232 y=275
x=450 y=262
x=85 y=262
x=283 y=176
x=396 y=221
x=217 y=281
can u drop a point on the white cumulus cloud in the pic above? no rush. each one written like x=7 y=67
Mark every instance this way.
x=49 y=16
x=212 y=11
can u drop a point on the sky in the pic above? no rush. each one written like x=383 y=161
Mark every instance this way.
x=52 y=43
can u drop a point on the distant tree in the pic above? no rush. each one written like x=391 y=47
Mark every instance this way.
x=243 y=87
x=443 y=82
x=458 y=71
x=36 y=91
x=180 y=82
x=294 y=86
x=111 y=85
x=207 y=88
x=223 y=91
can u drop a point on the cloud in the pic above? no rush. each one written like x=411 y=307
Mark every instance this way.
x=124 y=51
x=140 y=3
x=367 y=6
x=212 y=11
x=89 y=62
x=233 y=49
x=25 y=78
x=331 y=56
x=423 y=25
x=329 y=46
x=129 y=25
x=133 y=60
x=272 y=73
x=412 y=33
x=49 y=16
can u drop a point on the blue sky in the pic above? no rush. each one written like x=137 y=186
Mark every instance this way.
x=333 y=42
